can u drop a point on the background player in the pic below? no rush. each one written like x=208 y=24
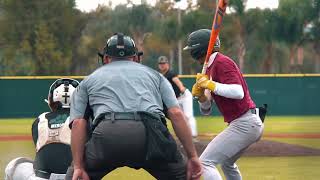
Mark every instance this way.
x=183 y=94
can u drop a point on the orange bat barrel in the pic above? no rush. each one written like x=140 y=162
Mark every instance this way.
x=217 y=22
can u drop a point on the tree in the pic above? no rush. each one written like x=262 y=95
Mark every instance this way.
x=36 y=35
x=207 y=5
x=239 y=19
x=49 y=60
x=141 y=23
x=293 y=15
x=22 y=23
x=312 y=31
x=261 y=28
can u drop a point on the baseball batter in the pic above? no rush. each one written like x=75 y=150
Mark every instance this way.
x=51 y=136
x=183 y=94
x=224 y=84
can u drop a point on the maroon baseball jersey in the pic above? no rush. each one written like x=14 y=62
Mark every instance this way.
x=225 y=71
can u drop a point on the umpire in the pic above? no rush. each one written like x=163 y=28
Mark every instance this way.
x=128 y=127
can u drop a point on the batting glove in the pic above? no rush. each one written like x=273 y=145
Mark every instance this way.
x=204 y=82
x=199 y=93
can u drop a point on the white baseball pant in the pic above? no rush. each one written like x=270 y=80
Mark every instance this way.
x=226 y=148
x=186 y=104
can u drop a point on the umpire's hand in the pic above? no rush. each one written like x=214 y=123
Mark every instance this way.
x=80 y=174
x=194 y=170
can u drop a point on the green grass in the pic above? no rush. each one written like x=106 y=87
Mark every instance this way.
x=257 y=168
x=16 y=126
x=280 y=168
x=312 y=143
x=273 y=124
x=11 y=150
x=128 y=173
x=213 y=124
x=253 y=168
x=292 y=124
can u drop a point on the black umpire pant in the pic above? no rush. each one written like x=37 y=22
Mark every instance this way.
x=118 y=142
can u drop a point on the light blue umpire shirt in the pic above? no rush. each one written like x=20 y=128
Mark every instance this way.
x=122 y=86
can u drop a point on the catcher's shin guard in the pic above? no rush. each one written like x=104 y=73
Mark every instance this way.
x=12 y=165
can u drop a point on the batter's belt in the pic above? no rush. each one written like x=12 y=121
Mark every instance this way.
x=262 y=111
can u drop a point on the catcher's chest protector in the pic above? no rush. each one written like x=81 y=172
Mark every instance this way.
x=56 y=132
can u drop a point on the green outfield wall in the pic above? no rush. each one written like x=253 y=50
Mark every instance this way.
x=285 y=94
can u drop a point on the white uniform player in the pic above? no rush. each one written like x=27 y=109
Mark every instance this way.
x=51 y=135
x=183 y=95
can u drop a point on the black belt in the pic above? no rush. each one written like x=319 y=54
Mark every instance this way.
x=112 y=116
x=120 y=116
x=42 y=174
x=253 y=111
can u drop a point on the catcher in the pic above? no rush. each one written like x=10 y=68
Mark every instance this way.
x=51 y=136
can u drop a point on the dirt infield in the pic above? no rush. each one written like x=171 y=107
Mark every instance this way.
x=276 y=135
x=261 y=148
x=270 y=148
x=201 y=136
x=15 y=138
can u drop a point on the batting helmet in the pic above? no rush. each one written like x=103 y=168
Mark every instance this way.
x=198 y=41
x=121 y=46
x=61 y=91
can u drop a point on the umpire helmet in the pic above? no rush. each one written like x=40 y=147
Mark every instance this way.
x=198 y=42
x=61 y=91
x=121 y=46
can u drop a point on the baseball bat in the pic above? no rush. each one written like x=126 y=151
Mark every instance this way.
x=215 y=29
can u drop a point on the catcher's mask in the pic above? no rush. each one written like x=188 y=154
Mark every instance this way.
x=61 y=91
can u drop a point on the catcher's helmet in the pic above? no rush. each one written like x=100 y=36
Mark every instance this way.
x=198 y=42
x=121 y=46
x=61 y=91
